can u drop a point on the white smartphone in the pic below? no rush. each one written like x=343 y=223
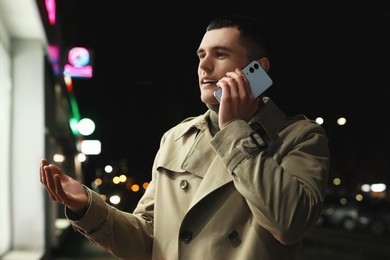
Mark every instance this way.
x=258 y=79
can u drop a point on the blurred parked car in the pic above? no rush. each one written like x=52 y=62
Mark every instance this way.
x=340 y=212
x=374 y=216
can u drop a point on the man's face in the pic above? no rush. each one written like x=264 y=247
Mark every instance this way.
x=219 y=52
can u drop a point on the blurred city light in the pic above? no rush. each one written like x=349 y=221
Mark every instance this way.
x=366 y=188
x=359 y=197
x=336 y=181
x=341 y=121
x=378 y=187
x=122 y=178
x=115 y=180
x=51 y=11
x=79 y=65
x=135 y=187
x=58 y=158
x=375 y=187
x=319 y=120
x=98 y=181
x=108 y=169
x=86 y=126
x=90 y=147
x=81 y=157
x=115 y=199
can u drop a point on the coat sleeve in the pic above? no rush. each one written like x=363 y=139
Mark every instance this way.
x=284 y=184
x=125 y=235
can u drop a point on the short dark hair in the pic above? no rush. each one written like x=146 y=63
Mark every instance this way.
x=254 y=35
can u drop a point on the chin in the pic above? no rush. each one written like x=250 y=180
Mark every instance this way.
x=209 y=100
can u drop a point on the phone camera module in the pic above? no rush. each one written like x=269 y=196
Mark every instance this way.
x=255 y=67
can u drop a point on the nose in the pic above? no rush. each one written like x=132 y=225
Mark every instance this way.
x=206 y=64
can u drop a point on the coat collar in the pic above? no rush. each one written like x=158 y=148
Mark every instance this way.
x=193 y=122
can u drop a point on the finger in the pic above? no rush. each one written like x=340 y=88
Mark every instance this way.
x=242 y=84
x=58 y=179
x=241 y=76
x=50 y=183
x=59 y=191
x=228 y=86
x=42 y=175
x=47 y=179
x=51 y=194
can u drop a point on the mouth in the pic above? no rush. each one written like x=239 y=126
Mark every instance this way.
x=209 y=82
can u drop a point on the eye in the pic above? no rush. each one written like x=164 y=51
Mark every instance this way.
x=220 y=54
x=201 y=55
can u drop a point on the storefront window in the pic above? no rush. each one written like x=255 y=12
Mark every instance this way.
x=5 y=142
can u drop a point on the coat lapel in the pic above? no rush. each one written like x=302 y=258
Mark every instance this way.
x=202 y=161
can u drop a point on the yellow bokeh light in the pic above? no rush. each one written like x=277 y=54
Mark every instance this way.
x=135 y=187
x=98 y=181
x=336 y=181
x=116 y=180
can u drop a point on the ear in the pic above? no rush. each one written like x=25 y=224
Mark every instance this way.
x=265 y=63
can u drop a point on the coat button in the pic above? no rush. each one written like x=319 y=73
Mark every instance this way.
x=234 y=238
x=183 y=184
x=186 y=236
x=233 y=235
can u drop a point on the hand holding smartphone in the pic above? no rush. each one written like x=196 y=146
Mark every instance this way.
x=258 y=79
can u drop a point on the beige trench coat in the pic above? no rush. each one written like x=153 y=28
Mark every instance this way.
x=222 y=197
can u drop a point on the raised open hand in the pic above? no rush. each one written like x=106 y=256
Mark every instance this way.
x=63 y=188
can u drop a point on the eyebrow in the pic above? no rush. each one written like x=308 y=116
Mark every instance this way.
x=215 y=48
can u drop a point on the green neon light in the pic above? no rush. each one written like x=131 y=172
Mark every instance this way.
x=74 y=120
x=73 y=126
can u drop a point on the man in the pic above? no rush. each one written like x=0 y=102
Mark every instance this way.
x=242 y=181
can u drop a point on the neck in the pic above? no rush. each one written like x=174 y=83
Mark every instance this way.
x=213 y=123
